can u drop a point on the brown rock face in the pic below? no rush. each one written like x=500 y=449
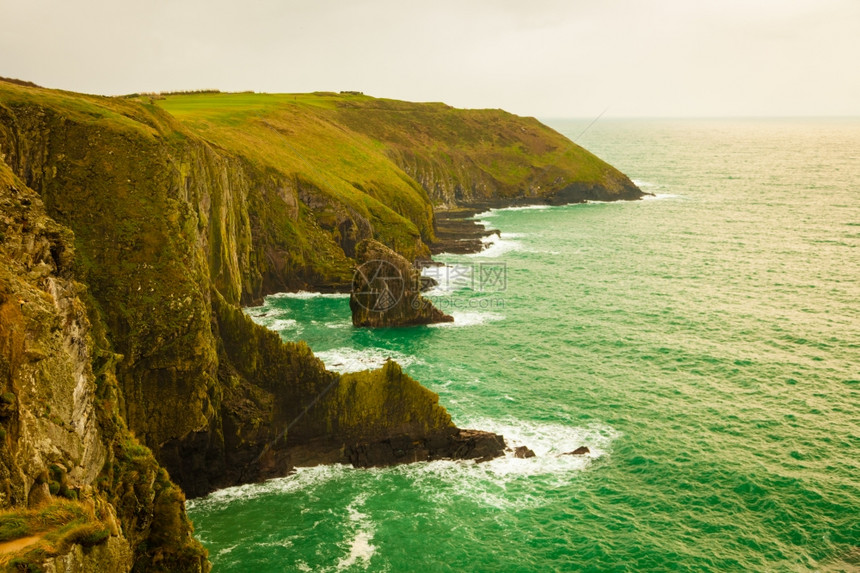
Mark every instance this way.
x=580 y=451
x=523 y=452
x=386 y=290
x=454 y=444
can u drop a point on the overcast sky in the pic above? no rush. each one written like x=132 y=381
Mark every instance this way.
x=547 y=58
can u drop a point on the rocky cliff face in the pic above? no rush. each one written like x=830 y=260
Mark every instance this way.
x=129 y=241
x=64 y=451
x=386 y=290
x=486 y=157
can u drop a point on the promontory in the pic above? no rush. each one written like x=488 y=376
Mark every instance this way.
x=132 y=232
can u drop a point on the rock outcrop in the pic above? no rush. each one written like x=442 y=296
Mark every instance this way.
x=580 y=451
x=453 y=444
x=386 y=290
x=523 y=452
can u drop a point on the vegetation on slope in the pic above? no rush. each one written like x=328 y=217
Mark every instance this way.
x=71 y=472
x=55 y=528
x=458 y=156
x=333 y=168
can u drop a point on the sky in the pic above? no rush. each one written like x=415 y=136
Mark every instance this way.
x=545 y=58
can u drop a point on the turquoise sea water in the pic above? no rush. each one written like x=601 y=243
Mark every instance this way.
x=705 y=345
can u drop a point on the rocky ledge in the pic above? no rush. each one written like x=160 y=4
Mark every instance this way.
x=454 y=445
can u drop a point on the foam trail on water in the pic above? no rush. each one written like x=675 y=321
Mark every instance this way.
x=496 y=246
x=448 y=482
x=273 y=319
x=494 y=212
x=359 y=546
x=639 y=183
x=308 y=295
x=283 y=324
x=657 y=196
x=347 y=359
x=462 y=319
x=303 y=478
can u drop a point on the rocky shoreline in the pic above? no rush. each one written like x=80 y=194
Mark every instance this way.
x=458 y=232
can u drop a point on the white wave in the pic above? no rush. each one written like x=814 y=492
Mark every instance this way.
x=258 y=311
x=303 y=478
x=342 y=324
x=549 y=440
x=226 y=550
x=273 y=318
x=496 y=246
x=447 y=481
x=360 y=548
x=347 y=359
x=494 y=211
x=657 y=196
x=639 y=183
x=279 y=543
x=469 y=319
x=280 y=324
x=307 y=295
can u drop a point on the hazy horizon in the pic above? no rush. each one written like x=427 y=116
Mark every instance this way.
x=553 y=59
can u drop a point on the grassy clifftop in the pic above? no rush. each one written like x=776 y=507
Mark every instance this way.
x=348 y=142
x=333 y=167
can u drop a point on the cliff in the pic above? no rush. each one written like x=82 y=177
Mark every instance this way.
x=71 y=473
x=130 y=238
x=401 y=154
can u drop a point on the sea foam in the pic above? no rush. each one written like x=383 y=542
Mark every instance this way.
x=358 y=546
x=494 y=212
x=347 y=359
x=495 y=246
x=308 y=295
x=657 y=196
x=462 y=319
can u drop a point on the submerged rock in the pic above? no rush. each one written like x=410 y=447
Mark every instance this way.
x=580 y=451
x=523 y=452
x=386 y=290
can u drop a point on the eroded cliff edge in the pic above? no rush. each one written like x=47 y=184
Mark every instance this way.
x=156 y=228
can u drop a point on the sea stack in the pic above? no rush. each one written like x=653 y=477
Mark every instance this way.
x=386 y=290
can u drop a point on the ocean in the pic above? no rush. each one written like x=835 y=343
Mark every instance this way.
x=704 y=344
